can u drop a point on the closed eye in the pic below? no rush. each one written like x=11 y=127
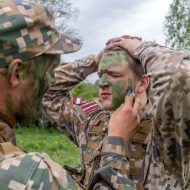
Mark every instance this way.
x=114 y=74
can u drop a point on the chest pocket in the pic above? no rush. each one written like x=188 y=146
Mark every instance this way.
x=94 y=145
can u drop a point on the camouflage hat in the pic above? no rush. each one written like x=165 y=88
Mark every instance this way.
x=27 y=30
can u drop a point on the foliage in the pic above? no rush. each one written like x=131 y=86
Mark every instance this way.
x=177 y=24
x=50 y=141
x=64 y=13
x=86 y=91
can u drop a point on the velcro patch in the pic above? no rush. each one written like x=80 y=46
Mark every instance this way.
x=89 y=107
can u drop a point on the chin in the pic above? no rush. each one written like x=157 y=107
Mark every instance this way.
x=107 y=106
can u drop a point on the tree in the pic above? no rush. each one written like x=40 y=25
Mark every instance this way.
x=177 y=24
x=86 y=90
x=64 y=13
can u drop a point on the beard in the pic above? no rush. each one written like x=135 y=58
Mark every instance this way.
x=25 y=111
x=25 y=114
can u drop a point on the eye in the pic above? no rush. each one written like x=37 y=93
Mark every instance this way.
x=115 y=75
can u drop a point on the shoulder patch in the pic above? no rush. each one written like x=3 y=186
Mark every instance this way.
x=78 y=101
x=88 y=107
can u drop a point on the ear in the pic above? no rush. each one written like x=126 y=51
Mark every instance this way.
x=15 y=72
x=143 y=84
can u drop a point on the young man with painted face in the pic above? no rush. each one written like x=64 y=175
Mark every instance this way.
x=86 y=123
x=167 y=161
x=30 y=47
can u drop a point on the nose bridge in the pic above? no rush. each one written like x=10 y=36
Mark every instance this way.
x=103 y=81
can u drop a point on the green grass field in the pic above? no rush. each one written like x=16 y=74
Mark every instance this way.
x=51 y=141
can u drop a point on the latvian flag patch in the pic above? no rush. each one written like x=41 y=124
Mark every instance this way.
x=89 y=107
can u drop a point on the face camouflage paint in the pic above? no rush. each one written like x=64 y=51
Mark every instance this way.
x=115 y=78
x=112 y=60
x=44 y=79
x=130 y=90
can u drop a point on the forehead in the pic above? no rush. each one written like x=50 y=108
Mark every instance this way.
x=113 y=61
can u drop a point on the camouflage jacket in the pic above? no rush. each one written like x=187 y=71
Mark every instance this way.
x=167 y=160
x=85 y=123
x=21 y=170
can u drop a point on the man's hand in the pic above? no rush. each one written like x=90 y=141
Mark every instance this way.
x=125 y=120
x=129 y=43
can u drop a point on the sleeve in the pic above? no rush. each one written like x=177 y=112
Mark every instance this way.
x=33 y=171
x=113 y=169
x=57 y=102
x=169 y=71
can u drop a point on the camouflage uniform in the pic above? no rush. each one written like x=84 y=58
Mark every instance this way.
x=85 y=123
x=20 y=170
x=167 y=161
x=28 y=30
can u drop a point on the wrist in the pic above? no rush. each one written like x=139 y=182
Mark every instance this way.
x=121 y=135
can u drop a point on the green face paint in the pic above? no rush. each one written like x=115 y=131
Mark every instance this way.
x=118 y=94
x=44 y=75
x=108 y=61
x=103 y=80
x=117 y=85
x=130 y=90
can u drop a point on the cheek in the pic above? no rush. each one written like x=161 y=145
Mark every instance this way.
x=118 y=88
x=118 y=94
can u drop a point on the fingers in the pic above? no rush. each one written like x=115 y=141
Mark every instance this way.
x=137 y=105
x=117 y=39
x=132 y=103
x=113 y=44
x=131 y=37
x=129 y=102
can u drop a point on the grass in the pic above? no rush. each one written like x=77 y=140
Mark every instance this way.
x=51 y=141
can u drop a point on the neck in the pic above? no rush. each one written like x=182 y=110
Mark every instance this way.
x=143 y=98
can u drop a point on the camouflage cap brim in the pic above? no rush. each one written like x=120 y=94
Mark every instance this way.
x=66 y=44
x=28 y=30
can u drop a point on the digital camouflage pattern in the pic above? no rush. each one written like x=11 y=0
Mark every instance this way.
x=85 y=123
x=28 y=30
x=167 y=163
x=20 y=171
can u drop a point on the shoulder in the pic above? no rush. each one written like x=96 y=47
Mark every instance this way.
x=86 y=106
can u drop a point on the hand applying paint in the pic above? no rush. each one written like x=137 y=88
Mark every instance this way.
x=130 y=90
x=125 y=120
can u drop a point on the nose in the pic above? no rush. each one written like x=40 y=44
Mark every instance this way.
x=103 y=82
